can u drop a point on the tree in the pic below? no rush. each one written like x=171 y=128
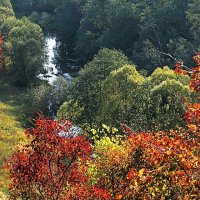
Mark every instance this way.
x=38 y=99
x=167 y=109
x=193 y=110
x=107 y=24
x=123 y=98
x=2 y=61
x=66 y=20
x=88 y=87
x=70 y=110
x=119 y=164
x=194 y=21
x=162 y=74
x=161 y=164
x=158 y=165
x=181 y=49
x=165 y=99
x=47 y=99
x=123 y=29
x=5 y=3
x=24 y=44
x=53 y=165
x=5 y=10
x=93 y=23
x=24 y=47
x=157 y=28
x=26 y=7
x=147 y=55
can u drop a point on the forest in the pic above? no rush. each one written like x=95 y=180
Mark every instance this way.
x=99 y=99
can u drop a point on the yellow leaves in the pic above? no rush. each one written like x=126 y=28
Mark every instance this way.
x=131 y=187
x=141 y=172
x=114 y=130
x=195 y=162
x=153 y=194
x=136 y=183
x=93 y=131
x=168 y=152
x=193 y=128
x=106 y=127
x=164 y=187
x=160 y=169
x=106 y=133
x=151 y=189
x=183 y=160
x=194 y=182
x=166 y=158
x=110 y=155
x=109 y=129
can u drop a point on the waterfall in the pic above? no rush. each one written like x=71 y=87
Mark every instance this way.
x=51 y=71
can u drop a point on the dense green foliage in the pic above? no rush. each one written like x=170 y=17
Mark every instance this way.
x=23 y=46
x=141 y=29
x=5 y=10
x=88 y=87
x=122 y=91
x=47 y=99
x=110 y=90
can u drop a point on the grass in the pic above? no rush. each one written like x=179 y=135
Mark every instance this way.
x=12 y=122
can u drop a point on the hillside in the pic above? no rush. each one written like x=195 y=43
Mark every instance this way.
x=11 y=124
x=108 y=94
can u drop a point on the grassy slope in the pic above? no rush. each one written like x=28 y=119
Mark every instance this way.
x=11 y=125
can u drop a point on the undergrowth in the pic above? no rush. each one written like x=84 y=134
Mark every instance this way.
x=12 y=122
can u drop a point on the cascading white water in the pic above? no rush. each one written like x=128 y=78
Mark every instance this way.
x=52 y=71
x=50 y=66
x=51 y=76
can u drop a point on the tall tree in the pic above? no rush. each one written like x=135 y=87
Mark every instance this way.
x=24 y=47
x=5 y=10
x=88 y=87
x=194 y=21
x=123 y=98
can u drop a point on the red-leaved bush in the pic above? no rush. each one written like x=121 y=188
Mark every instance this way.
x=53 y=165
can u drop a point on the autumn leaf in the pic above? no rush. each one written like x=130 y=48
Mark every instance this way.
x=168 y=152
x=193 y=128
x=131 y=174
x=141 y=172
x=119 y=196
x=178 y=64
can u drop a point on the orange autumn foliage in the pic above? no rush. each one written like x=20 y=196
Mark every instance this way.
x=158 y=166
x=150 y=165
x=161 y=165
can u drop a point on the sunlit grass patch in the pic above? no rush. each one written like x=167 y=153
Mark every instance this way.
x=11 y=127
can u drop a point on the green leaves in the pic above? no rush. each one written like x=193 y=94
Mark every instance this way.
x=121 y=94
x=87 y=89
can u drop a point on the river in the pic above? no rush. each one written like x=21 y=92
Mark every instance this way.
x=51 y=76
x=52 y=72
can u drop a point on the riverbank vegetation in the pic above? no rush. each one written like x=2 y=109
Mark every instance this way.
x=12 y=121
x=125 y=124
x=143 y=30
